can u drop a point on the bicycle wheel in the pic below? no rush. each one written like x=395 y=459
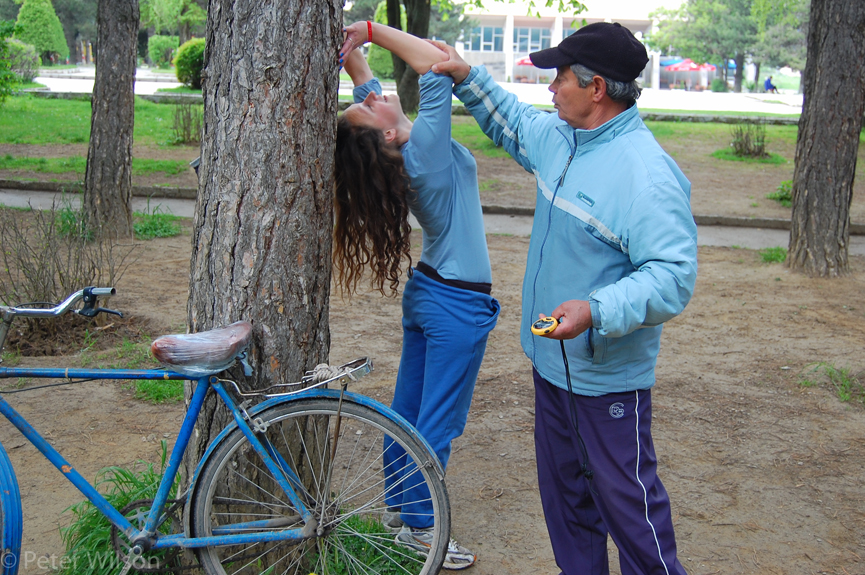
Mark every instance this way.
x=345 y=488
x=10 y=517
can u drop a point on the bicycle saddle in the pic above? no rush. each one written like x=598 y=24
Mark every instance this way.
x=203 y=353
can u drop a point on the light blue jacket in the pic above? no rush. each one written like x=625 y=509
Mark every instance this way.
x=613 y=226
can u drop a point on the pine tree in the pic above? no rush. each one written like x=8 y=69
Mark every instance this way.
x=40 y=26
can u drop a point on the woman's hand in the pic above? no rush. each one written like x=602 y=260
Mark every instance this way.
x=356 y=36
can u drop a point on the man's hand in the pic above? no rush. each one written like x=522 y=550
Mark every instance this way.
x=454 y=66
x=575 y=317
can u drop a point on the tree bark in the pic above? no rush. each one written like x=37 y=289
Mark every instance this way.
x=740 y=73
x=108 y=175
x=828 y=138
x=417 y=18
x=263 y=222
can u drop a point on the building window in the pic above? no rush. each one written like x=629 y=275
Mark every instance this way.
x=531 y=39
x=568 y=31
x=486 y=39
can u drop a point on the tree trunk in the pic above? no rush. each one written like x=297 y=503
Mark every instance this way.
x=108 y=175
x=757 y=86
x=740 y=72
x=263 y=222
x=417 y=18
x=828 y=138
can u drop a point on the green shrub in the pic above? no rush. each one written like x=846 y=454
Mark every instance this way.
x=379 y=59
x=40 y=27
x=160 y=49
x=189 y=61
x=23 y=59
x=719 y=85
x=8 y=80
x=749 y=140
x=783 y=194
x=773 y=255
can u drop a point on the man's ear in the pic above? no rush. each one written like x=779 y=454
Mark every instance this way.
x=599 y=88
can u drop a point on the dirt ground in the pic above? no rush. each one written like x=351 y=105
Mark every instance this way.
x=766 y=476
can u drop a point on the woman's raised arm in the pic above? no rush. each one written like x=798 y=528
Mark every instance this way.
x=416 y=52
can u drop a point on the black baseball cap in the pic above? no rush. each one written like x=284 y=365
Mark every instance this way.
x=606 y=48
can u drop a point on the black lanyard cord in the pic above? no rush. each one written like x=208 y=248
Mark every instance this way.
x=572 y=406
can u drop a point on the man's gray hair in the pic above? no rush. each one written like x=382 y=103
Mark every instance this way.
x=627 y=92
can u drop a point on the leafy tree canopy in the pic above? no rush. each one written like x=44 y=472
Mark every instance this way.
x=39 y=25
x=770 y=31
x=166 y=16
x=8 y=80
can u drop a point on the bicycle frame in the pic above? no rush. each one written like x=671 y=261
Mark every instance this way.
x=186 y=429
x=275 y=464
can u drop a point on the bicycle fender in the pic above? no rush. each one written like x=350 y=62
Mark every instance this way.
x=10 y=499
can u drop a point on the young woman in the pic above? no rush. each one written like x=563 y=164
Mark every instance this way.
x=386 y=166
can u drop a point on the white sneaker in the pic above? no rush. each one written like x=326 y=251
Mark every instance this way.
x=420 y=540
x=391 y=520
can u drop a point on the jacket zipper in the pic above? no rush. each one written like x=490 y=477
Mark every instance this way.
x=547 y=233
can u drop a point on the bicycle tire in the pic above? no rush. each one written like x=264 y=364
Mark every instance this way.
x=11 y=523
x=356 y=540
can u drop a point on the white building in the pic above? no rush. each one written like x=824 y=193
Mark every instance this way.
x=506 y=34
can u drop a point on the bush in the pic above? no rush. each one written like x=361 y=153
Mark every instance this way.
x=23 y=60
x=719 y=85
x=749 y=140
x=379 y=59
x=160 y=49
x=41 y=28
x=188 y=119
x=8 y=81
x=189 y=61
x=783 y=194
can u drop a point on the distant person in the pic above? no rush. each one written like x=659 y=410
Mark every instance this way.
x=769 y=86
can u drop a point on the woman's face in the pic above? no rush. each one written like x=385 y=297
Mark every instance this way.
x=382 y=112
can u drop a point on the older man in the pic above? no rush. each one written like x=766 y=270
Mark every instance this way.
x=613 y=255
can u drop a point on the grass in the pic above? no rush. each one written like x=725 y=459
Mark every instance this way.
x=88 y=537
x=179 y=90
x=667 y=131
x=730 y=156
x=155 y=224
x=466 y=131
x=78 y=164
x=783 y=194
x=737 y=113
x=847 y=386
x=773 y=255
x=30 y=119
x=372 y=556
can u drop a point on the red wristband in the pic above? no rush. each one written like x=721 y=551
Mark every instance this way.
x=369 y=30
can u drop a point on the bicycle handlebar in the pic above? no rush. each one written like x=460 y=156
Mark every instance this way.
x=60 y=308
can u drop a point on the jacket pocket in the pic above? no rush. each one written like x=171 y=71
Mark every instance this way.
x=596 y=346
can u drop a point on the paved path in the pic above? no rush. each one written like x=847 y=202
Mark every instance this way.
x=752 y=238
x=149 y=81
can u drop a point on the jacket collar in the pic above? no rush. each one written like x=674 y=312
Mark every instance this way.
x=589 y=139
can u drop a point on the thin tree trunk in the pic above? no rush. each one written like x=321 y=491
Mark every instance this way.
x=263 y=223
x=757 y=86
x=417 y=17
x=108 y=175
x=828 y=138
x=740 y=73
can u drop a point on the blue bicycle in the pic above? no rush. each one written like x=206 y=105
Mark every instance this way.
x=296 y=484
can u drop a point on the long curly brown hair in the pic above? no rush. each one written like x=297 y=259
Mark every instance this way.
x=372 y=228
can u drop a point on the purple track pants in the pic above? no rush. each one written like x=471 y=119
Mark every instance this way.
x=624 y=498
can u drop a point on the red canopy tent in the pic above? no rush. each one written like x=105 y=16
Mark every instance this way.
x=524 y=61
x=687 y=65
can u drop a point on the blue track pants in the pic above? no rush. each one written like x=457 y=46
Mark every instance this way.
x=624 y=498
x=445 y=332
